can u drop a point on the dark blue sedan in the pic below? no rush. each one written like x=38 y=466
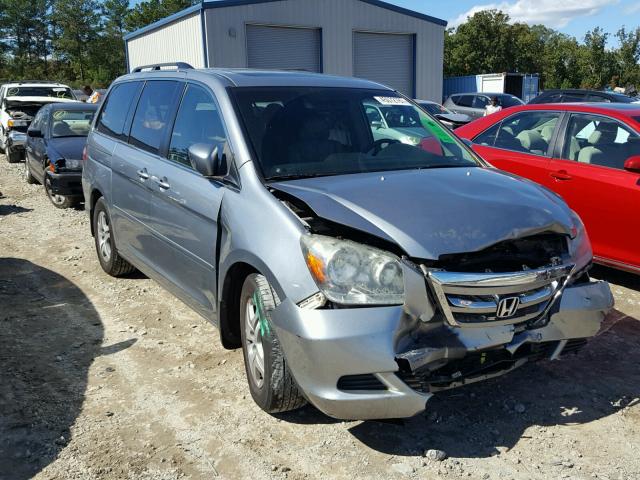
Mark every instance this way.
x=55 y=141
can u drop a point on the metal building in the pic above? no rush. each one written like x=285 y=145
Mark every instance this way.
x=364 y=38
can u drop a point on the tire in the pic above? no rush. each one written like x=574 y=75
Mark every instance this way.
x=13 y=156
x=59 y=201
x=110 y=261
x=274 y=391
x=30 y=179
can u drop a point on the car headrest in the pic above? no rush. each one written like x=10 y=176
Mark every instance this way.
x=532 y=140
x=315 y=128
x=604 y=133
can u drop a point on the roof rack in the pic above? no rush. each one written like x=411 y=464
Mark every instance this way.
x=158 y=66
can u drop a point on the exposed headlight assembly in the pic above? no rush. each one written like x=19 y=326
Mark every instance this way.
x=353 y=274
x=580 y=245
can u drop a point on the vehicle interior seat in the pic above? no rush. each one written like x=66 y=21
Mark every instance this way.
x=533 y=142
x=602 y=149
x=313 y=142
x=61 y=129
x=547 y=131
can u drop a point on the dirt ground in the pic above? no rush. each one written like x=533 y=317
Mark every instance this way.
x=115 y=379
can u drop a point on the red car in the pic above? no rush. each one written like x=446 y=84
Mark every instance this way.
x=589 y=154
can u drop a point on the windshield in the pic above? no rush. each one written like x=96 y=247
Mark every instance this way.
x=55 y=92
x=71 y=123
x=509 y=101
x=299 y=132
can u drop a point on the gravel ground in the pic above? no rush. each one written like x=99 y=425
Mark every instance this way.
x=115 y=379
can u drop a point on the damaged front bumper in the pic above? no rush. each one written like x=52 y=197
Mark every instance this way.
x=386 y=362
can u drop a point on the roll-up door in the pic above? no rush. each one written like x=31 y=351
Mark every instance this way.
x=286 y=48
x=385 y=58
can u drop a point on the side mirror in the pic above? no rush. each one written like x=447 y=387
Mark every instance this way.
x=208 y=160
x=34 y=133
x=632 y=164
x=377 y=124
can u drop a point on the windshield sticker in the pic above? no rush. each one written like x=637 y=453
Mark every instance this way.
x=438 y=130
x=392 y=101
x=12 y=92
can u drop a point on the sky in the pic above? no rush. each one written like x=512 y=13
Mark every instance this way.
x=574 y=17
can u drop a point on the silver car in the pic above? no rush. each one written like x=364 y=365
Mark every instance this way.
x=474 y=104
x=357 y=273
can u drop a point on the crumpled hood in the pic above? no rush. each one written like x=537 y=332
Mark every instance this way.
x=433 y=212
x=454 y=117
x=69 y=148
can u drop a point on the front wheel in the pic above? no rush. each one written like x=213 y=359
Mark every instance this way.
x=59 y=201
x=270 y=382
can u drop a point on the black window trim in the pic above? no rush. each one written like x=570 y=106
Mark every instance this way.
x=550 y=148
x=562 y=139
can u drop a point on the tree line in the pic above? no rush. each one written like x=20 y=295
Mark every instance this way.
x=72 y=41
x=80 y=41
x=488 y=42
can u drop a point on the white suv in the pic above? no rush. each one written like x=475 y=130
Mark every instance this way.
x=19 y=103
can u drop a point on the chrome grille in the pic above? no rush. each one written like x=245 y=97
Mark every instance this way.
x=474 y=299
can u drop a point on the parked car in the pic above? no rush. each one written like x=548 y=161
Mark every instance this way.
x=55 y=141
x=19 y=102
x=447 y=118
x=570 y=95
x=587 y=153
x=474 y=104
x=359 y=274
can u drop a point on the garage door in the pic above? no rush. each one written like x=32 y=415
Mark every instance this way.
x=284 y=48
x=385 y=58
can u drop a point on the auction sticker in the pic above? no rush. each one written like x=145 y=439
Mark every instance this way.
x=392 y=101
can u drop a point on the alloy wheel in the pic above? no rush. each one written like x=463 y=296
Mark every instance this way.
x=253 y=336
x=104 y=236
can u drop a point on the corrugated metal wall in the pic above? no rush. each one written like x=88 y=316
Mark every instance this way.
x=180 y=41
x=339 y=19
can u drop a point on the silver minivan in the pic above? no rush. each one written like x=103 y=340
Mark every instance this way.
x=359 y=273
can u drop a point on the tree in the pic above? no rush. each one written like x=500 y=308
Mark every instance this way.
x=627 y=57
x=108 y=58
x=149 y=11
x=76 y=25
x=595 y=61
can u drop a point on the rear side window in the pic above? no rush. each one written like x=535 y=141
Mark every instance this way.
x=116 y=109
x=153 y=114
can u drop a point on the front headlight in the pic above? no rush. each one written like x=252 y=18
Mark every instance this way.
x=16 y=123
x=353 y=274
x=579 y=246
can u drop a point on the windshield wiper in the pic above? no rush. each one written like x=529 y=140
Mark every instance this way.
x=280 y=178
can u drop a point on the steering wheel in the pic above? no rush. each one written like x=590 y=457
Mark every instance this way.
x=376 y=146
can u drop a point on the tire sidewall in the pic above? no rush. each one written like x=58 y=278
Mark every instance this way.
x=262 y=396
x=65 y=204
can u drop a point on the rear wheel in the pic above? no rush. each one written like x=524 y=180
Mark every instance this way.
x=27 y=173
x=59 y=201
x=270 y=382
x=110 y=261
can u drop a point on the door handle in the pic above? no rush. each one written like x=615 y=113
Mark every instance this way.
x=143 y=174
x=162 y=182
x=561 y=175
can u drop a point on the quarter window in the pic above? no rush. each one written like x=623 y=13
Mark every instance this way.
x=198 y=121
x=597 y=140
x=116 y=109
x=150 y=122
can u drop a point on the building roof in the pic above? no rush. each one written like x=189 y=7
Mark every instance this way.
x=212 y=4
